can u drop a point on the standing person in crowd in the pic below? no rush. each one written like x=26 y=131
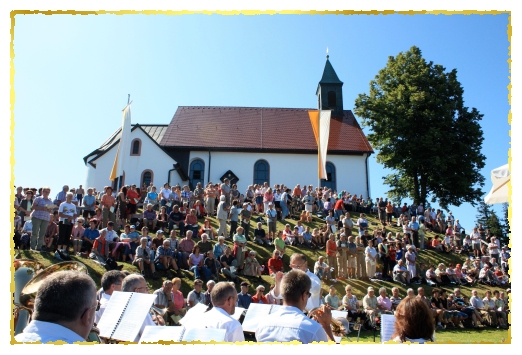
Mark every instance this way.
x=40 y=218
x=26 y=206
x=371 y=259
x=68 y=318
x=108 y=203
x=239 y=248
x=289 y=323
x=60 y=197
x=222 y=215
x=67 y=213
x=245 y=215
x=122 y=200
x=225 y=190
x=233 y=216
x=89 y=204
x=271 y=216
x=133 y=197
x=411 y=259
x=80 y=193
x=342 y=253
x=210 y=199
x=360 y=262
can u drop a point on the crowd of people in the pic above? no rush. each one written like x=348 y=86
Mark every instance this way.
x=107 y=225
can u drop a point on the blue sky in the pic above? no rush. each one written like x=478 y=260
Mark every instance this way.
x=73 y=74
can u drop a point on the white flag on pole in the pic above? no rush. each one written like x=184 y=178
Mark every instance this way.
x=324 y=134
x=124 y=146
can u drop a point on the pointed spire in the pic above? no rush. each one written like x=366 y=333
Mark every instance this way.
x=329 y=75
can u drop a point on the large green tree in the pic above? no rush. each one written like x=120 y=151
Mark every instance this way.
x=423 y=132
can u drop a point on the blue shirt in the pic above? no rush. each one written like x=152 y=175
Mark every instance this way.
x=414 y=226
x=289 y=323
x=91 y=234
x=45 y=332
x=88 y=202
x=244 y=300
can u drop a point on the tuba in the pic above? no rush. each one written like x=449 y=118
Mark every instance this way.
x=25 y=270
x=337 y=327
x=27 y=295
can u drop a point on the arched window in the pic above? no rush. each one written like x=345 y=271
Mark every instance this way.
x=332 y=99
x=197 y=173
x=330 y=181
x=261 y=172
x=136 y=147
x=146 y=177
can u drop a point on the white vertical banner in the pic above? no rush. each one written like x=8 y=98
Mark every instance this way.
x=124 y=146
x=324 y=135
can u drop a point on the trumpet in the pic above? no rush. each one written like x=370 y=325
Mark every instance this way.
x=338 y=328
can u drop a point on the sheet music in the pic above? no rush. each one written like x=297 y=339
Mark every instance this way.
x=339 y=314
x=194 y=312
x=132 y=320
x=238 y=312
x=153 y=334
x=113 y=311
x=255 y=312
x=387 y=327
x=204 y=334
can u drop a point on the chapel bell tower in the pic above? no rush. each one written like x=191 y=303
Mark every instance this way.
x=330 y=91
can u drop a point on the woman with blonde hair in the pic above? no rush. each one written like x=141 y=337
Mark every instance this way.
x=413 y=322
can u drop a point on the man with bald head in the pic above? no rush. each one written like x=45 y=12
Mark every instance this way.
x=223 y=298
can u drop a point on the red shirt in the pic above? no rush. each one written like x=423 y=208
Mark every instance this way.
x=131 y=195
x=276 y=264
x=339 y=205
x=255 y=299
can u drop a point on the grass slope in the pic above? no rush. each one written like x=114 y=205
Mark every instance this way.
x=358 y=287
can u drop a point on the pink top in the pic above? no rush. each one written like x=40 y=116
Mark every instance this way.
x=178 y=298
x=384 y=302
x=268 y=197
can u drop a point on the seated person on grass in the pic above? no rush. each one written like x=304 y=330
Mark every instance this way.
x=143 y=258
x=165 y=258
x=260 y=235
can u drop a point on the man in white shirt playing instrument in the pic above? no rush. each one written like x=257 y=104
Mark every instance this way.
x=289 y=322
x=223 y=297
x=64 y=309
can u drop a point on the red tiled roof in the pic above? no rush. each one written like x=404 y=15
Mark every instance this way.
x=249 y=128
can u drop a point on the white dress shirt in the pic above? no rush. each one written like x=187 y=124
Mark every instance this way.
x=315 y=300
x=103 y=304
x=46 y=331
x=287 y=324
x=218 y=318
